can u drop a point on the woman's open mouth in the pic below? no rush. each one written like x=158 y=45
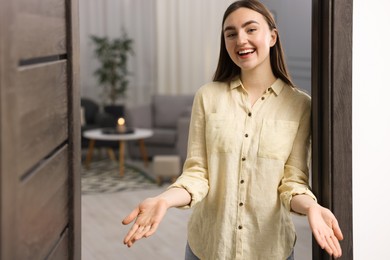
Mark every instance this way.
x=246 y=52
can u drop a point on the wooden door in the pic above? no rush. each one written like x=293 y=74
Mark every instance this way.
x=332 y=114
x=40 y=130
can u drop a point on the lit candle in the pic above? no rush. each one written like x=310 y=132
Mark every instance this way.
x=121 y=128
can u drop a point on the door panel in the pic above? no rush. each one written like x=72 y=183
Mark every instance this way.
x=41 y=27
x=39 y=130
x=60 y=251
x=42 y=112
x=41 y=218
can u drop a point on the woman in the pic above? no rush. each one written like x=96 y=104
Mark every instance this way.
x=248 y=152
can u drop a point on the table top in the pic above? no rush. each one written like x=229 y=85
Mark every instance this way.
x=97 y=134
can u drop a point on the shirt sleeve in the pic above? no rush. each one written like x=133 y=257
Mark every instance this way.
x=296 y=169
x=194 y=178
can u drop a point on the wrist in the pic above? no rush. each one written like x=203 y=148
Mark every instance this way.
x=313 y=206
x=175 y=197
x=163 y=201
x=302 y=204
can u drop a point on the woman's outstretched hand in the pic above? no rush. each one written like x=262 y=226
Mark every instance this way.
x=322 y=222
x=147 y=215
x=325 y=229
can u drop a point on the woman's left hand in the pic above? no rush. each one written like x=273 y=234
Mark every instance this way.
x=326 y=230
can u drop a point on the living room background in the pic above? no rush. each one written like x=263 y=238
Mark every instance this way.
x=176 y=42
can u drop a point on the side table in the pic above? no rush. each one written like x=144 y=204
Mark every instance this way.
x=138 y=135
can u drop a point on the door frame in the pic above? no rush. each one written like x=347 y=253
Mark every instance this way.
x=74 y=128
x=332 y=114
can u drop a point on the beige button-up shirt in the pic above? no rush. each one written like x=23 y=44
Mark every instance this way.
x=243 y=166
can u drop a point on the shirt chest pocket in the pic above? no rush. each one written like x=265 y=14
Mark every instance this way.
x=220 y=132
x=277 y=139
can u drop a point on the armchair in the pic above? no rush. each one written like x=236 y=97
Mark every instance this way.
x=93 y=119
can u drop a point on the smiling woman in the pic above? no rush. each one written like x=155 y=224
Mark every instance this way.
x=187 y=30
x=245 y=39
x=220 y=183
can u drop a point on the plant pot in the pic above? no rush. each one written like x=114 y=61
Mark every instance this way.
x=116 y=110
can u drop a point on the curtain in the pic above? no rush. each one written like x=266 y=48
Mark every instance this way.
x=188 y=39
x=107 y=18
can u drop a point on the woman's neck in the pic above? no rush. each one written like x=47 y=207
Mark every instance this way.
x=260 y=77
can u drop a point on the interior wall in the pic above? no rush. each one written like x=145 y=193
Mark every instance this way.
x=294 y=24
x=371 y=129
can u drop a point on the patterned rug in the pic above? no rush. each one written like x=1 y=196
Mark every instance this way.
x=103 y=177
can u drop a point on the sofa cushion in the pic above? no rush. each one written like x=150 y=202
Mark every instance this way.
x=162 y=137
x=139 y=116
x=167 y=109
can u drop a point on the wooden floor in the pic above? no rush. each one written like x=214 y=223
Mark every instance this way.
x=102 y=231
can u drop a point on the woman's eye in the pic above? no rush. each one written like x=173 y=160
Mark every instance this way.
x=251 y=30
x=230 y=35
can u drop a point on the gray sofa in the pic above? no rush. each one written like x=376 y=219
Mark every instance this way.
x=168 y=116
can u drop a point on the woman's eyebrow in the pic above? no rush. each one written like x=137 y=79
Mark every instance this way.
x=228 y=28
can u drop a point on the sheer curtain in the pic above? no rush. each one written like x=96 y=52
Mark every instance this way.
x=106 y=18
x=188 y=39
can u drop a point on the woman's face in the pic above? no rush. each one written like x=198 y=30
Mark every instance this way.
x=248 y=39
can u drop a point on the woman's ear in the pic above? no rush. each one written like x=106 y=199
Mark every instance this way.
x=274 y=37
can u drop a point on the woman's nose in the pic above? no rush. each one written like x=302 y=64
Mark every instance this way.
x=241 y=38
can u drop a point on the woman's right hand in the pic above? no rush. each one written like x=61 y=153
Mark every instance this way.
x=147 y=215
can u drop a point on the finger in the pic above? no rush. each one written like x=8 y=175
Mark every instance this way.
x=331 y=245
x=319 y=238
x=146 y=230
x=337 y=230
x=130 y=233
x=327 y=246
x=338 y=251
x=328 y=249
x=131 y=216
x=138 y=231
x=153 y=229
x=137 y=235
x=141 y=232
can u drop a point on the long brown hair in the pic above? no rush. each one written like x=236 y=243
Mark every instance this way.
x=227 y=70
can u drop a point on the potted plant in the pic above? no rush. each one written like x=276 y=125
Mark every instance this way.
x=112 y=74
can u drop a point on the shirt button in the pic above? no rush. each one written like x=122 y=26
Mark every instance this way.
x=243 y=159
x=242 y=181
x=249 y=114
x=262 y=98
x=241 y=204
x=246 y=135
x=269 y=89
x=239 y=227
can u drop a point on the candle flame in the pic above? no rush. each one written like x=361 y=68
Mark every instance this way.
x=121 y=121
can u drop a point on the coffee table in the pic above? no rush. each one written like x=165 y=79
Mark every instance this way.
x=97 y=134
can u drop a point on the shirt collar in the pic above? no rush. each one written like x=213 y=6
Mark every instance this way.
x=235 y=83
x=277 y=86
